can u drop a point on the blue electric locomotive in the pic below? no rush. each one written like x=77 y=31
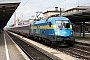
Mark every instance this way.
x=54 y=29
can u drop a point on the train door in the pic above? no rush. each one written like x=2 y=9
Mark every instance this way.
x=38 y=29
x=43 y=30
x=30 y=29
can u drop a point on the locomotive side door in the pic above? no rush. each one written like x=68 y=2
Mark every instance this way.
x=30 y=29
x=38 y=29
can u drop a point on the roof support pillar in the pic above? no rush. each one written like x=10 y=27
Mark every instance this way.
x=83 y=29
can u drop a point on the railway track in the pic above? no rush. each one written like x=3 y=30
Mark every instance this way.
x=80 y=51
x=85 y=47
x=80 y=54
x=31 y=52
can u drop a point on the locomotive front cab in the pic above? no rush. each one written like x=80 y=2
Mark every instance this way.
x=64 y=32
x=63 y=28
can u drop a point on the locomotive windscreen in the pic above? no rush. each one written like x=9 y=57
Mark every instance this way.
x=62 y=24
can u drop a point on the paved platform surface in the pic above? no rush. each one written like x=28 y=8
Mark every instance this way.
x=8 y=50
x=2 y=47
x=86 y=39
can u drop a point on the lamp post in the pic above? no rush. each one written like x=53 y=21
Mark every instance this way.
x=60 y=11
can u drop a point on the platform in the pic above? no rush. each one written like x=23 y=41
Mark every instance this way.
x=83 y=40
x=8 y=49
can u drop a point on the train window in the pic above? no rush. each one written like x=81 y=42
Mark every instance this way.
x=61 y=24
x=67 y=25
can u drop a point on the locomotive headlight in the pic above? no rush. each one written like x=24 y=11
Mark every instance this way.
x=56 y=33
x=71 y=33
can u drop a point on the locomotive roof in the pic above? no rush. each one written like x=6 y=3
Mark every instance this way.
x=50 y=19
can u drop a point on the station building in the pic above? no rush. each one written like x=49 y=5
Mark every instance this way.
x=49 y=13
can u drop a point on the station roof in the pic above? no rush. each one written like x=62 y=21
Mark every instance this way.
x=6 y=11
x=79 y=16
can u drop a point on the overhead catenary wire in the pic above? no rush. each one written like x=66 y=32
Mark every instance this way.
x=77 y=4
x=51 y=5
x=82 y=3
x=23 y=5
x=54 y=5
x=58 y=3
